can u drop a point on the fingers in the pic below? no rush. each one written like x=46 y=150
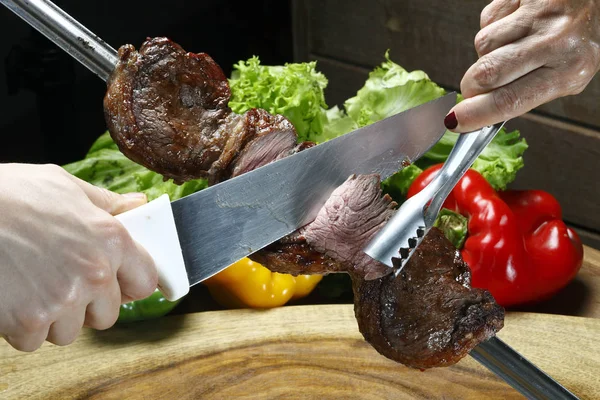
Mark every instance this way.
x=29 y=340
x=103 y=311
x=502 y=66
x=529 y=54
x=497 y=10
x=66 y=329
x=111 y=202
x=506 y=102
x=26 y=343
x=502 y=32
x=135 y=269
x=138 y=277
x=131 y=275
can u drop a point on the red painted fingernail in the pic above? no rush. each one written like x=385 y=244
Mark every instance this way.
x=450 y=121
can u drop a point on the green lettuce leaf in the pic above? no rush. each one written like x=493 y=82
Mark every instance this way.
x=334 y=123
x=454 y=226
x=105 y=166
x=398 y=184
x=294 y=90
x=391 y=89
x=498 y=162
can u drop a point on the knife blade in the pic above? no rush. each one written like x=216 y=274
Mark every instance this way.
x=193 y=238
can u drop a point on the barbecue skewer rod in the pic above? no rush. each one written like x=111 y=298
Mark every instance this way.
x=101 y=59
x=518 y=372
x=68 y=34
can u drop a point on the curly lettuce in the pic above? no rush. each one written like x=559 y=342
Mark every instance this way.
x=294 y=90
x=391 y=89
x=498 y=162
x=398 y=184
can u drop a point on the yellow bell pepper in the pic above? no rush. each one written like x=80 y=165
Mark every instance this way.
x=248 y=284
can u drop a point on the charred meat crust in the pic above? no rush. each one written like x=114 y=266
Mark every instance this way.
x=352 y=215
x=168 y=110
x=164 y=108
x=296 y=259
x=273 y=137
x=429 y=316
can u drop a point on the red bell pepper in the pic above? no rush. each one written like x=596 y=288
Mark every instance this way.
x=517 y=245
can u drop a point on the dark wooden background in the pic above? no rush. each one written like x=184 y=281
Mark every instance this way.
x=348 y=38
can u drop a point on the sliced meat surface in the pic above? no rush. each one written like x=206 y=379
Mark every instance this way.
x=428 y=316
x=273 y=137
x=354 y=212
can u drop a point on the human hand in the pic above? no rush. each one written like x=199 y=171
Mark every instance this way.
x=65 y=261
x=530 y=52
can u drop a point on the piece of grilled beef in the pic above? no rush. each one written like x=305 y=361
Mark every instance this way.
x=167 y=110
x=428 y=316
x=333 y=242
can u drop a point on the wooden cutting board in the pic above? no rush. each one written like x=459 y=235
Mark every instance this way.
x=299 y=352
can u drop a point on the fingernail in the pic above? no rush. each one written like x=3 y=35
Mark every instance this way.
x=450 y=121
x=135 y=196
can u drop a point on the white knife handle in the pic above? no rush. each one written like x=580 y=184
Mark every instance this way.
x=153 y=226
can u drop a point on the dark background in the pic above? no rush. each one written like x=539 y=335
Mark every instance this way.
x=51 y=106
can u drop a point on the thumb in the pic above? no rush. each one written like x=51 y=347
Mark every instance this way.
x=109 y=201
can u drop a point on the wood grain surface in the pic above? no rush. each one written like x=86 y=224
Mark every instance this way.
x=434 y=35
x=300 y=352
x=303 y=352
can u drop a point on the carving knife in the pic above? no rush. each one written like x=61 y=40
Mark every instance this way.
x=197 y=236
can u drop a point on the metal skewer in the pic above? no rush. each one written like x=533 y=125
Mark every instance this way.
x=100 y=58
x=518 y=372
x=68 y=34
